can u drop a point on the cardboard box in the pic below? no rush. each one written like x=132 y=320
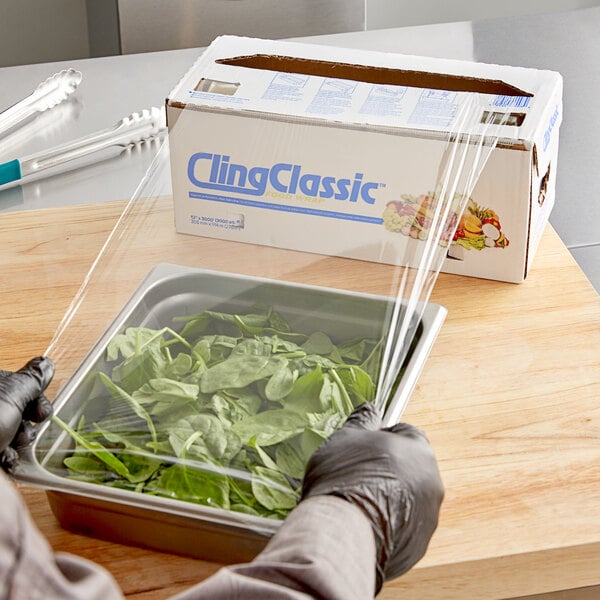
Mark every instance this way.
x=328 y=150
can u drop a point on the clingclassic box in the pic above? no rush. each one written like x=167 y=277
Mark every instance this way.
x=338 y=151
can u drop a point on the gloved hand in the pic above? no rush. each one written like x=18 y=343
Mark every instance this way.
x=390 y=474
x=22 y=404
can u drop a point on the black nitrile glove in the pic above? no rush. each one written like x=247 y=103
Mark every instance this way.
x=22 y=403
x=390 y=474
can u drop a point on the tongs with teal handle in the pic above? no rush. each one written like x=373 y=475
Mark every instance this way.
x=135 y=129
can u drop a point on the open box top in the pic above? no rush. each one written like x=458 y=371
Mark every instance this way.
x=353 y=87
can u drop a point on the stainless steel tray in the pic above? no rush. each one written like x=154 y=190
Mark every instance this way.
x=174 y=525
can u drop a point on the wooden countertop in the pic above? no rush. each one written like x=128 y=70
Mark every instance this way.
x=509 y=398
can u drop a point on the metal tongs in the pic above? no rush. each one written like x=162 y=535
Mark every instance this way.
x=48 y=94
x=135 y=129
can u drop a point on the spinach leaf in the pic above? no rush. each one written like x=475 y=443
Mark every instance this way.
x=278 y=322
x=211 y=349
x=313 y=360
x=311 y=440
x=291 y=459
x=272 y=489
x=281 y=383
x=331 y=395
x=140 y=367
x=305 y=395
x=342 y=399
x=271 y=426
x=358 y=383
x=357 y=350
x=238 y=371
x=280 y=346
x=201 y=436
x=224 y=322
x=86 y=468
x=184 y=366
x=137 y=408
x=166 y=395
x=140 y=464
x=97 y=449
x=129 y=343
x=231 y=406
x=198 y=485
x=263 y=456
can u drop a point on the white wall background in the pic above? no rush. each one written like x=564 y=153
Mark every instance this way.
x=397 y=13
x=33 y=31
x=157 y=24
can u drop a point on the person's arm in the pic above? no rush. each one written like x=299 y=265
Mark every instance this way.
x=30 y=569
x=28 y=566
x=324 y=549
x=371 y=500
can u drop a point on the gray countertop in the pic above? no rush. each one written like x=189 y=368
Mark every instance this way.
x=111 y=88
x=114 y=87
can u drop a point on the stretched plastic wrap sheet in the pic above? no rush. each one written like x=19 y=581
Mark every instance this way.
x=196 y=373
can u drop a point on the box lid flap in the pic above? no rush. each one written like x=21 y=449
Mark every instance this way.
x=358 y=87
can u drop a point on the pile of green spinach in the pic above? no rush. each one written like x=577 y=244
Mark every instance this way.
x=226 y=412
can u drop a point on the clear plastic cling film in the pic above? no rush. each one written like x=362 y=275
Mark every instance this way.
x=271 y=273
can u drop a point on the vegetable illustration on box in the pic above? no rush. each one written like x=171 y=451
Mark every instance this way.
x=477 y=228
